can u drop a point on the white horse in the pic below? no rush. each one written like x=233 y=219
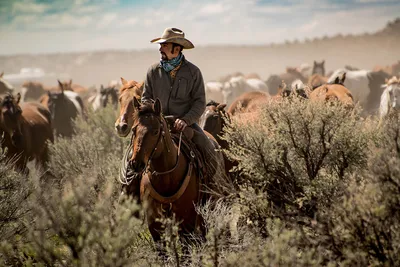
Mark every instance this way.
x=356 y=81
x=236 y=86
x=390 y=99
x=214 y=91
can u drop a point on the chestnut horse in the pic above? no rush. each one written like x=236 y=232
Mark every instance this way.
x=248 y=102
x=170 y=183
x=128 y=91
x=26 y=130
x=334 y=92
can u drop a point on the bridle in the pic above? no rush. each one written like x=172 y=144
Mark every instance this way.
x=161 y=135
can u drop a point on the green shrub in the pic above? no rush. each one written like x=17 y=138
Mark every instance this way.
x=295 y=159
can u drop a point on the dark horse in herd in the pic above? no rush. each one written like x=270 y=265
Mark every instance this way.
x=26 y=132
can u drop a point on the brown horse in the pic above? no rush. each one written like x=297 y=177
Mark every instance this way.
x=248 y=102
x=170 y=183
x=26 y=130
x=128 y=91
x=32 y=91
x=334 y=92
x=64 y=107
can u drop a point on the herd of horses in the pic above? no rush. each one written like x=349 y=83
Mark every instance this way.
x=160 y=167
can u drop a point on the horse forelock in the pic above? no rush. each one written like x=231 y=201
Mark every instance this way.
x=131 y=85
x=145 y=110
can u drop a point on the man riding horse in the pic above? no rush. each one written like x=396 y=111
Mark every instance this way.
x=179 y=86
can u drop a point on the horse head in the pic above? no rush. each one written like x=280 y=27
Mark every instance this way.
x=127 y=93
x=56 y=103
x=66 y=85
x=11 y=118
x=149 y=128
x=299 y=89
x=319 y=68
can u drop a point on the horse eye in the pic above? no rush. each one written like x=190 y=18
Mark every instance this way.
x=156 y=132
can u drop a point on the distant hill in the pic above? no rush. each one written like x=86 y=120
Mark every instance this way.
x=94 y=68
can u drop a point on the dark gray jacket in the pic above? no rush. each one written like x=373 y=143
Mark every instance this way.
x=185 y=98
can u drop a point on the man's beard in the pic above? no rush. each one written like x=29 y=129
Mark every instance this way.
x=163 y=56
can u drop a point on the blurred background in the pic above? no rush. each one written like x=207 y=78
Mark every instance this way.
x=94 y=42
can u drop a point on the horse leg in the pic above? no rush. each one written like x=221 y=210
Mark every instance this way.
x=155 y=231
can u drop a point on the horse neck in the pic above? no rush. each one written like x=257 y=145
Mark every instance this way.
x=168 y=183
x=168 y=155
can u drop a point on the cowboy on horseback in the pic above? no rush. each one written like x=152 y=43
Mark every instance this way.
x=179 y=85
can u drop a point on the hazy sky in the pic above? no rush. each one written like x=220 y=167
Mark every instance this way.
x=46 y=26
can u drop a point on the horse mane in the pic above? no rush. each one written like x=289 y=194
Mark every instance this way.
x=8 y=98
x=137 y=86
x=145 y=108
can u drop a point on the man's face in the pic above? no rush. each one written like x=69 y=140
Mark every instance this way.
x=166 y=51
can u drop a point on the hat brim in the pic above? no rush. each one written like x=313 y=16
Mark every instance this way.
x=181 y=41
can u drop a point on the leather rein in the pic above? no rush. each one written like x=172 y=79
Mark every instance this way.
x=146 y=180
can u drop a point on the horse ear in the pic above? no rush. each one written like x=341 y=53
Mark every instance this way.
x=157 y=106
x=18 y=97
x=61 y=86
x=1 y=74
x=136 y=103
x=70 y=83
x=124 y=82
x=343 y=78
x=337 y=80
x=221 y=107
x=323 y=62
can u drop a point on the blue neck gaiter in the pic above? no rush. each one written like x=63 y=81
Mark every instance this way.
x=169 y=65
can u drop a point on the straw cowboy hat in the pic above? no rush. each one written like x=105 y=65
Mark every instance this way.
x=174 y=35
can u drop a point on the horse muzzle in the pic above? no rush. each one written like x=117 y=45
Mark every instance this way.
x=122 y=129
x=136 y=166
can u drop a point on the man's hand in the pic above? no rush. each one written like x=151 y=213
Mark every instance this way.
x=180 y=125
